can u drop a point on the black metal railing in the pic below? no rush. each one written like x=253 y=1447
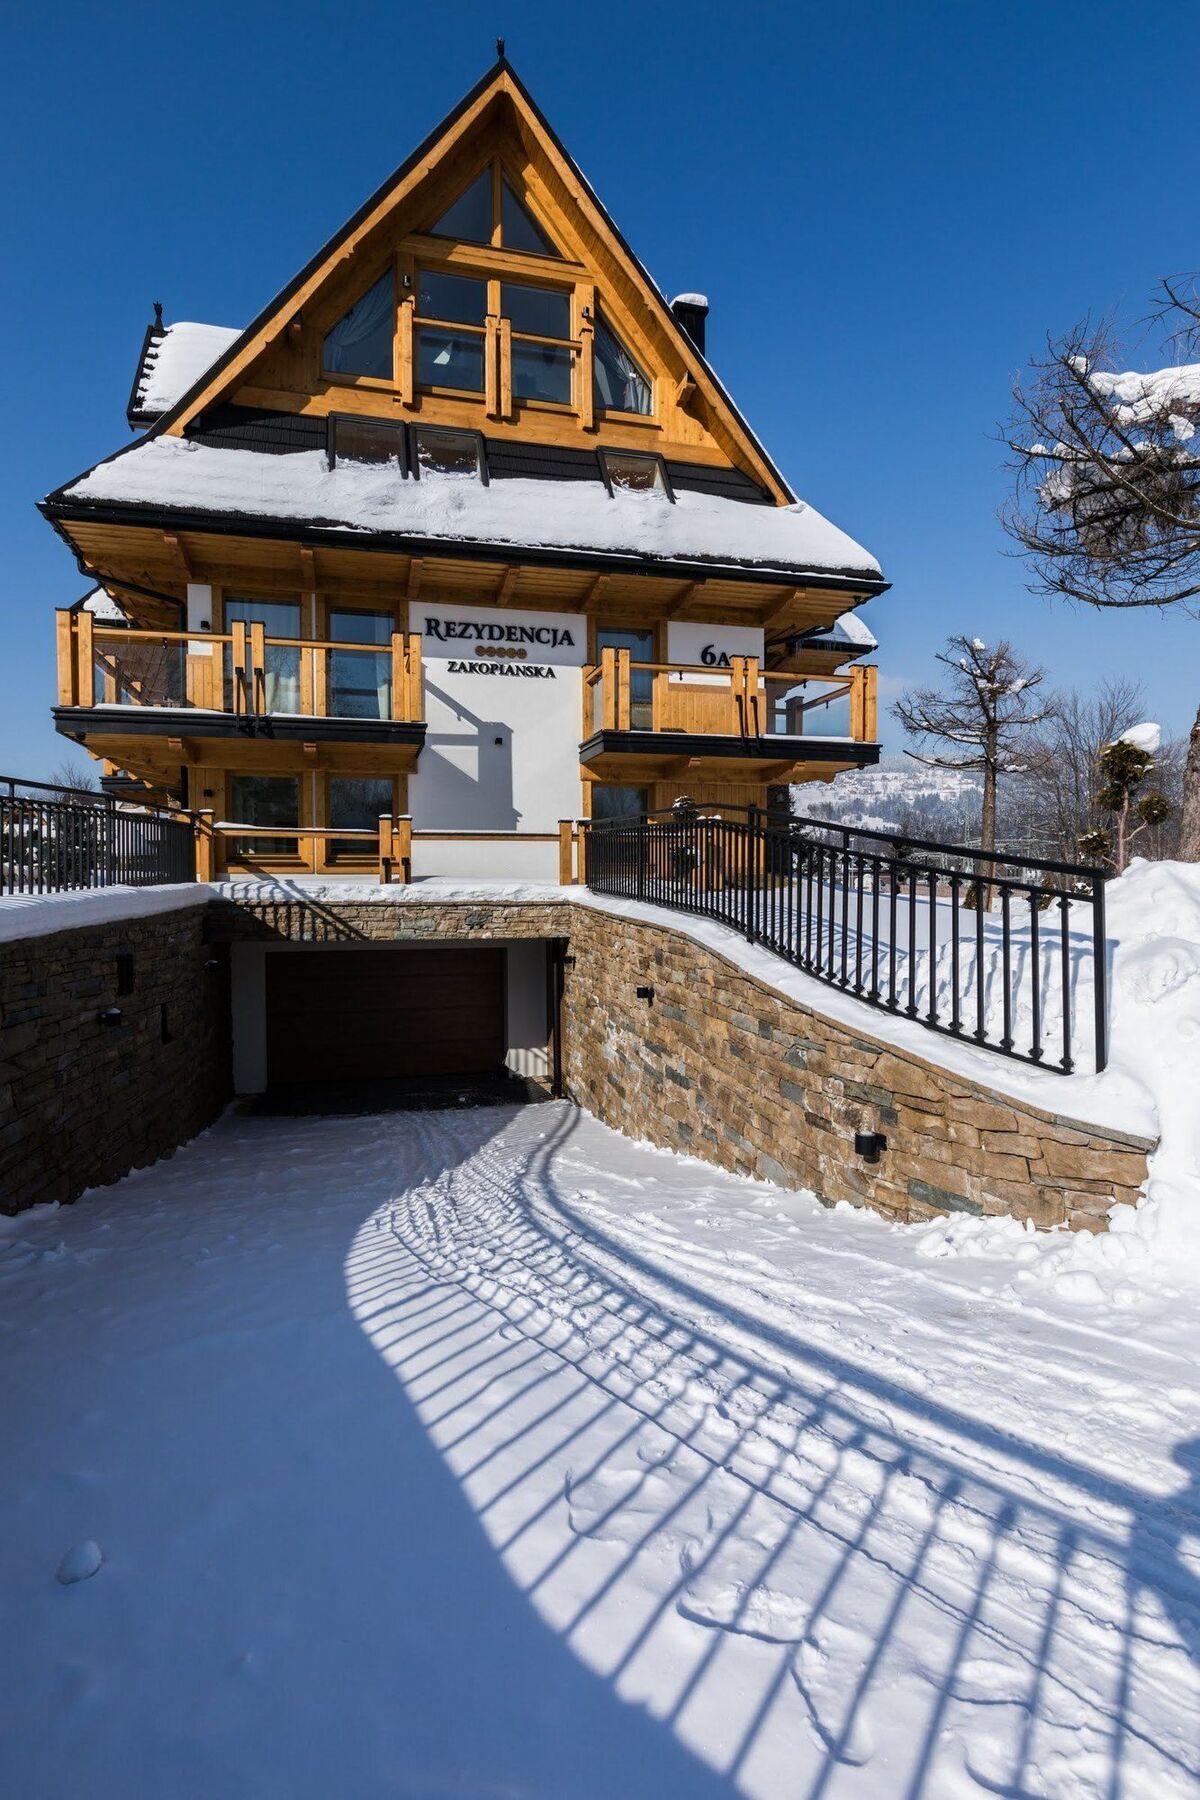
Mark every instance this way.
x=54 y=839
x=979 y=947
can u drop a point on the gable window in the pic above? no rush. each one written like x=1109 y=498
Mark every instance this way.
x=542 y=354
x=620 y=386
x=470 y=216
x=489 y=211
x=633 y=471
x=445 y=450
x=361 y=343
x=354 y=438
x=451 y=315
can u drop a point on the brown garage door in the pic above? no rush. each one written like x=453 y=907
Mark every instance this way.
x=353 y=1015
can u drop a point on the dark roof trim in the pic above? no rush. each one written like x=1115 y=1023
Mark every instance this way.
x=317 y=533
x=133 y=412
x=686 y=743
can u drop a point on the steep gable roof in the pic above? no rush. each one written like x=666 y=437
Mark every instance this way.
x=173 y=359
x=500 y=86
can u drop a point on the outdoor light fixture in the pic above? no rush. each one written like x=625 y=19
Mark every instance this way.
x=869 y=1145
x=645 y=993
x=109 y=1015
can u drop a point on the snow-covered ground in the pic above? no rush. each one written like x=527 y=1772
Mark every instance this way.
x=486 y=1453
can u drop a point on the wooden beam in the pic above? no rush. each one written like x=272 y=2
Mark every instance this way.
x=180 y=554
x=683 y=599
x=504 y=593
x=308 y=569
x=595 y=594
x=413 y=588
x=774 y=611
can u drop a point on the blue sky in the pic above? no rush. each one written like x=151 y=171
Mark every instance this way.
x=888 y=205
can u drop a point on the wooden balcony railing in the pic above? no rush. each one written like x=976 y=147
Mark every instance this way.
x=241 y=671
x=742 y=700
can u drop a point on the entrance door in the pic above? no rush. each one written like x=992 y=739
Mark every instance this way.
x=640 y=645
x=379 y=1013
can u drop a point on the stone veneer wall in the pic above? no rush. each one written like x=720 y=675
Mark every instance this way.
x=83 y=1103
x=722 y=1066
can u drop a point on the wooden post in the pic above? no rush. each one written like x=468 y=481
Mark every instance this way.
x=399 y=677
x=68 y=673
x=754 y=722
x=870 y=703
x=658 y=683
x=623 y=679
x=206 y=845
x=217 y=679
x=737 y=696
x=581 y=853
x=585 y=300
x=416 y=688
x=385 y=849
x=258 y=666
x=566 y=833
x=403 y=347
x=403 y=850
x=85 y=658
x=608 y=689
x=505 y=368
x=237 y=658
x=491 y=366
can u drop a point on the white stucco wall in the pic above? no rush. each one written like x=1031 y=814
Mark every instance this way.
x=502 y=748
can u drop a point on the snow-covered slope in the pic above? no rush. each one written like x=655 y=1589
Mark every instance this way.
x=898 y=794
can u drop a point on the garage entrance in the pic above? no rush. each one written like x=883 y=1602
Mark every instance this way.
x=384 y=1014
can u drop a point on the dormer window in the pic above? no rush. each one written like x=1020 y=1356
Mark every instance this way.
x=620 y=386
x=444 y=450
x=356 y=438
x=634 y=471
x=361 y=343
x=490 y=212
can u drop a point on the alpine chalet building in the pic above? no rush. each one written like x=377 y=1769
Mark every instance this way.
x=460 y=538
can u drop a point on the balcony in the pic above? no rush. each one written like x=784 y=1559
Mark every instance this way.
x=279 y=704
x=661 y=721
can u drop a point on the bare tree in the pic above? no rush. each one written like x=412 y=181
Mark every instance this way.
x=1062 y=775
x=71 y=777
x=1107 y=504
x=982 y=717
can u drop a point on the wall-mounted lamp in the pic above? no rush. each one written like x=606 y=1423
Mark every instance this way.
x=870 y=1145
x=205 y=625
x=645 y=993
x=109 y=1015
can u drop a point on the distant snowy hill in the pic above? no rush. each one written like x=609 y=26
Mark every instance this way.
x=897 y=795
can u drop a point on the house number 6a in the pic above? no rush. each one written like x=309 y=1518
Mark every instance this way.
x=714 y=659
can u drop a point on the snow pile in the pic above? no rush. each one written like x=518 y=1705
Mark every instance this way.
x=40 y=915
x=178 y=474
x=1147 y=737
x=1145 y=398
x=175 y=361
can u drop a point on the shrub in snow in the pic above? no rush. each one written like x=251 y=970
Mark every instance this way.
x=1124 y=767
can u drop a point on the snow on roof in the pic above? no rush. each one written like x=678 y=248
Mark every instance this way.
x=103 y=606
x=853 y=628
x=181 y=475
x=690 y=300
x=177 y=359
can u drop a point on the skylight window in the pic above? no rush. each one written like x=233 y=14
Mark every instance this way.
x=634 y=471
x=361 y=343
x=444 y=450
x=620 y=385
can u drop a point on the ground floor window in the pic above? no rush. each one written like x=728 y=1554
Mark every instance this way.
x=620 y=802
x=264 y=800
x=355 y=803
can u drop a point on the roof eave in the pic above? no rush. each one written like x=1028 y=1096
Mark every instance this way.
x=61 y=511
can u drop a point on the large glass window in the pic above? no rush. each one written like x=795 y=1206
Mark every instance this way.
x=620 y=385
x=355 y=804
x=264 y=800
x=540 y=371
x=519 y=230
x=470 y=216
x=361 y=343
x=448 y=358
x=629 y=803
x=360 y=681
x=279 y=619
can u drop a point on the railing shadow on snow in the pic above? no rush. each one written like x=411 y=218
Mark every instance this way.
x=1009 y=1576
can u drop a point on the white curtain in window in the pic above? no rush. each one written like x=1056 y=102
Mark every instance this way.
x=361 y=341
x=620 y=384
